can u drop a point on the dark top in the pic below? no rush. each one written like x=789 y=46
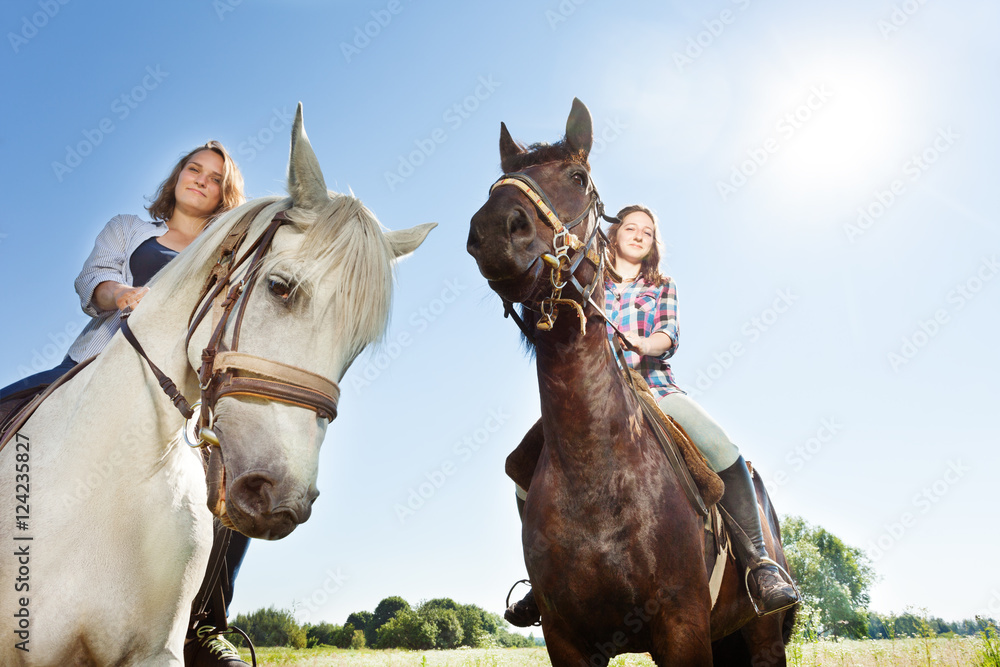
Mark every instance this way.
x=147 y=259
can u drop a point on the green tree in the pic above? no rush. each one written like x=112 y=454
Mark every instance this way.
x=407 y=629
x=321 y=634
x=448 y=629
x=834 y=579
x=385 y=611
x=470 y=617
x=271 y=627
x=362 y=620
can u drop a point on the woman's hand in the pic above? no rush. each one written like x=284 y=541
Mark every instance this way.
x=129 y=297
x=652 y=346
x=111 y=295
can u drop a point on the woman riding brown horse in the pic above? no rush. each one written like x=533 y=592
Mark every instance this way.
x=614 y=548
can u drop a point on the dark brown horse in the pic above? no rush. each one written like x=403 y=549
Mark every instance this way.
x=615 y=550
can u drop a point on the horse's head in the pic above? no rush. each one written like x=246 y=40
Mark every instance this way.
x=319 y=295
x=514 y=238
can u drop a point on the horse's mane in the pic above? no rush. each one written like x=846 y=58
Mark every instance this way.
x=340 y=235
x=540 y=153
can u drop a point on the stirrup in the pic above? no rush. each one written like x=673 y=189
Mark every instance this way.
x=507 y=602
x=788 y=580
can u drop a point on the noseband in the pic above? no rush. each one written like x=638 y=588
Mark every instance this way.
x=562 y=266
x=224 y=370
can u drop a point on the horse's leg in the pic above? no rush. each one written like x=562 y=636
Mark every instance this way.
x=765 y=640
x=683 y=638
x=565 y=650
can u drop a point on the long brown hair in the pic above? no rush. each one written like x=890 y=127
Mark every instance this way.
x=649 y=268
x=162 y=206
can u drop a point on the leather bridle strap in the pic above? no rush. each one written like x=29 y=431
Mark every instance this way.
x=278 y=381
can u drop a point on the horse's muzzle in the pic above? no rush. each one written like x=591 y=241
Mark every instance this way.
x=255 y=507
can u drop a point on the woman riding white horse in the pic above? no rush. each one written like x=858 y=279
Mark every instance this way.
x=116 y=528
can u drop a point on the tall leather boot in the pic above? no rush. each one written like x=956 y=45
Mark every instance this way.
x=767 y=586
x=524 y=612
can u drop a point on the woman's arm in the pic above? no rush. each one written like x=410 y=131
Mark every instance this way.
x=655 y=345
x=104 y=266
x=663 y=341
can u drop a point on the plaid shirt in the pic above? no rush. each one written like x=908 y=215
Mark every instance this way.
x=637 y=307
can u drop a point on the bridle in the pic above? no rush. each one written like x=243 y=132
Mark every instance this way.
x=225 y=371
x=559 y=261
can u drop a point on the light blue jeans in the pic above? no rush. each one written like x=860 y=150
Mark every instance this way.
x=704 y=431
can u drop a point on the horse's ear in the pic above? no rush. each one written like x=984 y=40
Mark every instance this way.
x=580 y=128
x=405 y=241
x=508 y=147
x=305 y=179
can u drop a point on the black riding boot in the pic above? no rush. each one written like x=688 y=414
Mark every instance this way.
x=524 y=612
x=767 y=585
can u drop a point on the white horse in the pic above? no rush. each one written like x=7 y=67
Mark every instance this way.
x=111 y=510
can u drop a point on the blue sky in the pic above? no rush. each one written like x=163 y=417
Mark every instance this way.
x=823 y=173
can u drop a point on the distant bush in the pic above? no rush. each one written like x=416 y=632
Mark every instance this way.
x=270 y=627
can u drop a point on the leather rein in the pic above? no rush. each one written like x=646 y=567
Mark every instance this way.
x=225 y=371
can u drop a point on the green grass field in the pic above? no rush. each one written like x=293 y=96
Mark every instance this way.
x=957 y=652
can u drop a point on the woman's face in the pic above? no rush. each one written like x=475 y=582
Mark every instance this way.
x=635 y=237
x=199 y=186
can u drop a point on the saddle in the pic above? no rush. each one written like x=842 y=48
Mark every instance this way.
x=520 y=465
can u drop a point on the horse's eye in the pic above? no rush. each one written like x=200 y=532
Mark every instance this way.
x=579 y=179
x=279 y=288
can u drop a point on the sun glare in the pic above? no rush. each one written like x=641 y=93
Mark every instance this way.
x=839 y=137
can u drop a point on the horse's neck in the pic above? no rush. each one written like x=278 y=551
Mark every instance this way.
x=583 y=396
x=122 y=398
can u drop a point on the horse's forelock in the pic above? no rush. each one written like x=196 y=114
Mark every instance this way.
x=540 y=153
x=343 y=236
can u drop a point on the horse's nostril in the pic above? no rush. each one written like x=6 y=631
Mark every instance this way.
x=519 y=224
x=253 y=493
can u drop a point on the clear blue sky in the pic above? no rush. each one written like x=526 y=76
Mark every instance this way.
x=848 y=353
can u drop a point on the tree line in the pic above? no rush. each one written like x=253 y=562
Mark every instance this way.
x=440 y=623
x=835 y=580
